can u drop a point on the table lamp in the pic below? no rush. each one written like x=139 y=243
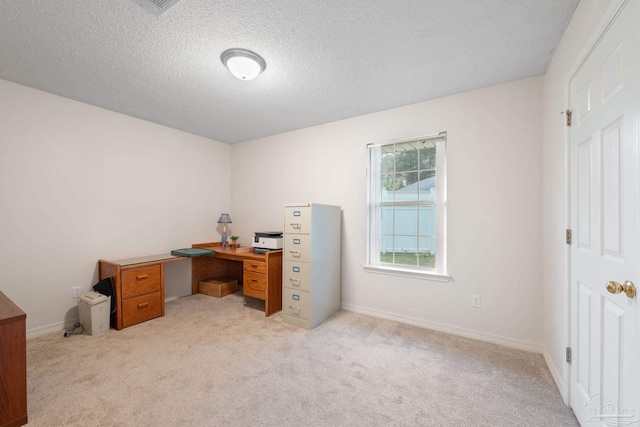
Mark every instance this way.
x=224 y=220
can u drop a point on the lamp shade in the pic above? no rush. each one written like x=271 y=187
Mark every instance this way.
x=243 y=64
x=224 y=219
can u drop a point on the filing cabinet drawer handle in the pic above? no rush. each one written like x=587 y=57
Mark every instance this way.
x=294 y=281
x=296 y=253
x=295 y=310
x=295 y=225
x=142 y=276
x=143 y=305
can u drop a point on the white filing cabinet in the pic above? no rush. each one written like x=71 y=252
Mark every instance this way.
x=311 y=269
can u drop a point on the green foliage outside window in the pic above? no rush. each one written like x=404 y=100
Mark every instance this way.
x=406 y=164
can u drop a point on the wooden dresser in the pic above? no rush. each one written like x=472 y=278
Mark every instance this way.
x=13 y=364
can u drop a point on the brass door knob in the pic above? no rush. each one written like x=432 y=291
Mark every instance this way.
x=628 y=288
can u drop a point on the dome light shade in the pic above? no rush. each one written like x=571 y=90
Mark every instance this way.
x=242 y=63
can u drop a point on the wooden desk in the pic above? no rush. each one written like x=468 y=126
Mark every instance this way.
x=138 y=284
x=259 y=274
x=13 y=361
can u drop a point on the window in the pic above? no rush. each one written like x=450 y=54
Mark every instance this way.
x=407 y=206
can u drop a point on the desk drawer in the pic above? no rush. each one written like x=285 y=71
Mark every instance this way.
x=140 y=280
x=255 y=266
x=254 y=285
x=296 y=303
x=140 y=309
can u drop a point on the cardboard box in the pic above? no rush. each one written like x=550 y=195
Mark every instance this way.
x=218 y=287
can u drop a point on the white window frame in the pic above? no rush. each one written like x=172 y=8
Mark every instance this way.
x=374 y=210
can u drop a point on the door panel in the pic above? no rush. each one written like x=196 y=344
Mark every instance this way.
x=612 y=321
x=611 y=189
x=611 y=71
x=584 y=195
x=583 y=349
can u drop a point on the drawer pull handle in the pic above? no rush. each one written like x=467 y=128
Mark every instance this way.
x=254 y=280
x=143 y=305
x=294 y=281
x=295 y=225
x=296 y=253
x=254 y=265
x=295 y=310
x=142 y=276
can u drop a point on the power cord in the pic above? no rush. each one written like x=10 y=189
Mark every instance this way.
x=72 y=331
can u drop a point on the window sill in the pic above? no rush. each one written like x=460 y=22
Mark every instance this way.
x=427 y=275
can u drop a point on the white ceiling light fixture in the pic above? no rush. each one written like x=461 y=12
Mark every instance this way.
x=243 y=63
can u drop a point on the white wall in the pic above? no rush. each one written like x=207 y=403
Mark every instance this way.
x=494 y=198
x=571 y=49
x=79 y=183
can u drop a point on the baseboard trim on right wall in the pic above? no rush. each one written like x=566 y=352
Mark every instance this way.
x=442 y=327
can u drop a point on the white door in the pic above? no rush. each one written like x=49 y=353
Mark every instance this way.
x=604 y=98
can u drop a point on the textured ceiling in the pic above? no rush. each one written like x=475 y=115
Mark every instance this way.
x=326 y=60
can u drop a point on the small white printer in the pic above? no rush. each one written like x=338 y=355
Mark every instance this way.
x=265 y=241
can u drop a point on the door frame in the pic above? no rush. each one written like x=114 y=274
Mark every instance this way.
x=596 y=35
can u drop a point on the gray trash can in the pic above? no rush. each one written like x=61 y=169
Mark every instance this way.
x=94 y=309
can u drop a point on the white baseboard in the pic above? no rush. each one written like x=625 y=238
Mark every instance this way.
x=442 y=327
x=54 y=327
x=557 y=377
x=66 y=324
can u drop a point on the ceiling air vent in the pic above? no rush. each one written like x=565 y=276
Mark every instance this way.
x=156 y=7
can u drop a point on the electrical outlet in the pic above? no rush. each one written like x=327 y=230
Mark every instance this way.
x=75 y=291
x=475 y=301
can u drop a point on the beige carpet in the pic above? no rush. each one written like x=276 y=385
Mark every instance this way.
x=215 y=362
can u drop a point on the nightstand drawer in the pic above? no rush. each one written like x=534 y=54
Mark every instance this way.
x=296 y=303
x=140 y=309
x=254 y=285
x=140 y=280
x=255 y=266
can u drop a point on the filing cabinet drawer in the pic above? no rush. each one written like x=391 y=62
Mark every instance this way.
x=296 y=247
x=140 y=280
x=140 y=309
x=297 y=219
x=296 y=275
x=296 y=303
x=255 y=266
x=254 y=285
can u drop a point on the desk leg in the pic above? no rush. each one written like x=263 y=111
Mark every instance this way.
x=273 y=303
x=205 y=267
